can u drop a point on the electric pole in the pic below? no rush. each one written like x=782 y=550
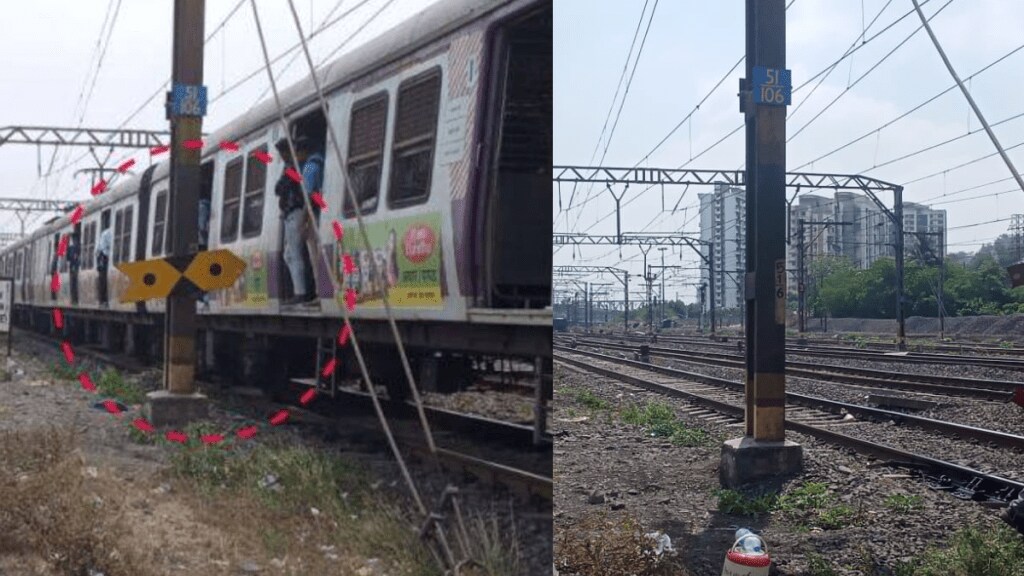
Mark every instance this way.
x=179 y=401
x=765 y=91
x=662 y=318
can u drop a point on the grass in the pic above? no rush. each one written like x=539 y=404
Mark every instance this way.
x=733 y=502
x=591 y=400
x=810 y=500
x=46 y=512
x=972 y=551
x=903 y=503
x=111 y=383
x=660 y=420
x=350 y=514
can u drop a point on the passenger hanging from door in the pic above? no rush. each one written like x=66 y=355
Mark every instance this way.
x=292 y=206
x=103 y=249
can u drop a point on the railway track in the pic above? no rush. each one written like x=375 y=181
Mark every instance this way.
x=1000 y=390
x=815 y=417
x=845 y=352
x=519 y=480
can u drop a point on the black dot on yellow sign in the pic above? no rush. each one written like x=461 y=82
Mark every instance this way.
x=157 y=278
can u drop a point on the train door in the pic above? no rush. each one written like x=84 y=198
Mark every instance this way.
x=311 y=129
x=105 y=242
x=54 y=262
x=517 y=175
x=74 y=260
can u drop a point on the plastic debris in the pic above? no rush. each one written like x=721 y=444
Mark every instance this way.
x=663 y=544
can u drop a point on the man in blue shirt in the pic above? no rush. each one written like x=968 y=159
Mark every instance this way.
x=311 y=162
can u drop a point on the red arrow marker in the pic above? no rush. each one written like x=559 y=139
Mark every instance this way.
x=111 y=407
x=176 y=436
x=350 y=299
x=62 y=248
x=126 y=165
x=339 y=232
x=350 y=265
x=76 y=216
x=247 y=432
x=291 y=173
x=99 y=187
x=192 y=144
x=55 y=283
x=307 y=396
x=263 y=156
x=343 y=335
x=142 y=425
x=318 y=199
x=58 y=319
x=158 y=150
x=86 y=382
x=212 y=439
x=69 y=355
x=229 y=146
x=329 y=368
x=279 y=418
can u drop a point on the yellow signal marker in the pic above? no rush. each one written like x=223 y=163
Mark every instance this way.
x=215 y=270
x=148 y=279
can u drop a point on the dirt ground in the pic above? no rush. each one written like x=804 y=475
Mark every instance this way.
x=81 y=494
x=613 y=479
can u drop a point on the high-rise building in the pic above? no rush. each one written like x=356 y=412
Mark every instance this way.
x=869 y=236
x=723 y=223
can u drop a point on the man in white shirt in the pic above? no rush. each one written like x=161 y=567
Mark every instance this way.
x=103 y=248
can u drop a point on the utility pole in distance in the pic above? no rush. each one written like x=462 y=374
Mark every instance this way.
x=179 y=401
x=764 y=94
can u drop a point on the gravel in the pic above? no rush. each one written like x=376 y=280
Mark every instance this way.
x=672 y=488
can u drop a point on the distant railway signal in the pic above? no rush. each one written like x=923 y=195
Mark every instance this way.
x=157 y=278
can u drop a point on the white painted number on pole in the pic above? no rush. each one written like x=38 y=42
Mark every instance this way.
x=780 y=292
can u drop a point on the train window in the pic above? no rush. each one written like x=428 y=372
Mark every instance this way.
x=159 y=222
x=412 y=153
x=89 y=246
x=252 y=205
x=232 y=201
x=122 y=235
x=366 y=152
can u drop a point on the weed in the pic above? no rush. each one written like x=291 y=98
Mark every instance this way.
x=591 y=400
x=683 y=436
x=140 y=437
x=973 y=550
x=494 y=549
x=733 y=502
x=632 y=414
x=818 y=566
x=111 y=383
x=836 y=517
x=903 y=503
x=809 y=496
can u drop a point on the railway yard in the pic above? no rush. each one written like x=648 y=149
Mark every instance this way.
x=903 y=452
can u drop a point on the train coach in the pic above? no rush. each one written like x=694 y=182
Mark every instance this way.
x=444 y=123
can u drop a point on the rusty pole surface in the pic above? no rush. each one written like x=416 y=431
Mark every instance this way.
x=183 y=209
x=766 y=233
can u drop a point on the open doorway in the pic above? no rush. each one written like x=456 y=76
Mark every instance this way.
x=518 y=185
x=308 y=135
x=104 y=245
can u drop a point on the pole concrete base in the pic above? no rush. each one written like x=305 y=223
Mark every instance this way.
x=164 y=408
x=746 y=461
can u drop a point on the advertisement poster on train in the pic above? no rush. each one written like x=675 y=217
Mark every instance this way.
x=407 y=253
x=250 y=289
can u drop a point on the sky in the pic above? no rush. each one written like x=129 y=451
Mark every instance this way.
x=692 y=44
x=50 y=50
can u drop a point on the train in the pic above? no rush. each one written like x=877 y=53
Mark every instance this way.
x=444 y=123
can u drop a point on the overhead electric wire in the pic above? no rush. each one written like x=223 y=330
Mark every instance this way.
x=825 y=70
x=622 y=103
x=909 y=112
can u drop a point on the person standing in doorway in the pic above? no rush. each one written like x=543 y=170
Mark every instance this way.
x=103 y=248
x=73 y=265
x=292 y=205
